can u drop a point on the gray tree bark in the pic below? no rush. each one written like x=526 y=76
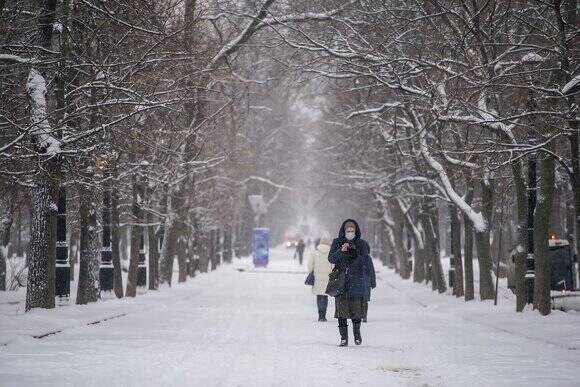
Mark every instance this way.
x=6 y=220
x=167 y=255
x=468 y=253
x=136 y=231
x=399 y=240
x=456 y=251
x=419 y=260
x=115 y=244
x=42 y=247
x=203 y=253
x=90 y=245
x=542 y=216
x=182 y=260
x=522 y=212
x=153 y=258
x=432 y=248
x=228 y=244
x=486 y=288
x=213 y=249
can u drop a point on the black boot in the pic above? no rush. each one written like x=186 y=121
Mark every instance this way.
x=343 y=336
x=365 y=311
x=356 y=333
x=321 y=316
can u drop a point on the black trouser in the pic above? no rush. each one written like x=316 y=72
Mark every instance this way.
x=342 y=321
x=322 y=302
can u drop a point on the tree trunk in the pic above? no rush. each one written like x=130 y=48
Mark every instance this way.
x=468 y=253
x=192 y=253
x=203 y=253
x=167 y=255
x=19 y=244
x=6 y=220
x=486 y=288
x=419 y=268
x=213 y=249
x=90 y=245
x=400 y=253
x=40 y=290
x=115 y=244
x=399 y=240
x=227 y=244
x=432 y=248
x=417 y=238
x=136 y=233
x=541 y=232
x=522 y=212
x=153 y=258
x=456 y=251
x=389 y=247
x=182 y=260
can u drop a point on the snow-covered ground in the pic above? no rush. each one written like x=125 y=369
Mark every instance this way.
x=241 y=326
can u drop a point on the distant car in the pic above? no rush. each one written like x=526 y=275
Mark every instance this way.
x=562 y=266
x=291 y=244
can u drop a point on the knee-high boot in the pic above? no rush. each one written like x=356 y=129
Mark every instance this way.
x=356 y=332
x=343 y=329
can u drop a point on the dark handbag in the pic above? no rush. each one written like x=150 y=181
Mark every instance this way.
x=309 y=279
x=336 y=282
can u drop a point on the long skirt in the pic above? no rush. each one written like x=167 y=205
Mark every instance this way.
x=351 y=308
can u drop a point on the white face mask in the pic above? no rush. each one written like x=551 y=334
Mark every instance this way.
x=349 y=235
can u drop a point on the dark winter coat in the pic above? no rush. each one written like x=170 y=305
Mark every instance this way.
x=357 y=264
x=300 y=247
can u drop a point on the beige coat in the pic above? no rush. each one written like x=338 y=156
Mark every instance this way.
x=318 y=263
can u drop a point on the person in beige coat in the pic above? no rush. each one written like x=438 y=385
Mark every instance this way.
x=319 y=265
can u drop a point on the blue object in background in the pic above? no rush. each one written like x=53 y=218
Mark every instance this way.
x=260 y=243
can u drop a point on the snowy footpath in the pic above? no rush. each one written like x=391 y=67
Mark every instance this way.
x=241 y=326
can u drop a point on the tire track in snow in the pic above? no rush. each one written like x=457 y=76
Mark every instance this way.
x=94 y=322
x=41 y=336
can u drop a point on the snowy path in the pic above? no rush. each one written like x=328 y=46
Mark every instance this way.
x=257 y=328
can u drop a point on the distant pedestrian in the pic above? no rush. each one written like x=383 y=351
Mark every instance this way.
x=300 y=250
x=321 y=267
x=349 y=253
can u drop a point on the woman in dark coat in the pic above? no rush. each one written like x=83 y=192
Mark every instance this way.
x=349 y=253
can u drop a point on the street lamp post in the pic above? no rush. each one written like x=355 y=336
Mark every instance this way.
x=106 y=267
x=142 y=262
x=142 y=265
x=530 y=63
x=62 y=269
x=530 y=270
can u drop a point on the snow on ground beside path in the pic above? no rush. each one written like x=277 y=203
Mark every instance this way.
x=257 y=327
